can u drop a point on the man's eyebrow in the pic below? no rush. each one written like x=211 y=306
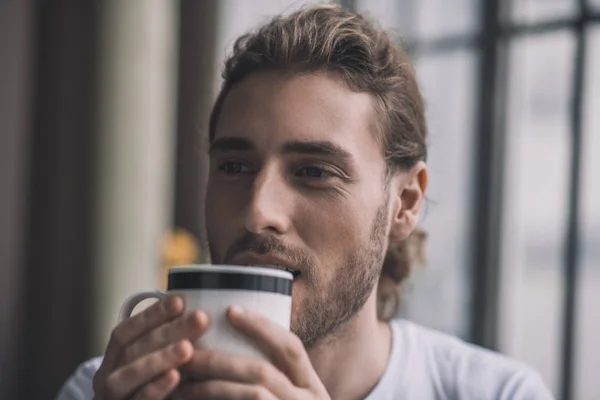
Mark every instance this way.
x=230 y=144
x=325 y=148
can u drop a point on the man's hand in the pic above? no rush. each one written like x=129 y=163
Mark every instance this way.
x=290 y=375
x=144 y=352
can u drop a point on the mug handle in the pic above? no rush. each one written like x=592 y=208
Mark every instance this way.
x=132 y=301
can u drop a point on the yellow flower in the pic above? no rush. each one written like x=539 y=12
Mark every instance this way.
x=179 y=247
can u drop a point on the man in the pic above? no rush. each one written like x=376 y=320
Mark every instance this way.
x=317 y=161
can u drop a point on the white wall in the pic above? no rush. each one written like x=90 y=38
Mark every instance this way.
x=138 y=77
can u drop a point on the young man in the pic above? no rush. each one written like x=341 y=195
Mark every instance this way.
x=317 y=163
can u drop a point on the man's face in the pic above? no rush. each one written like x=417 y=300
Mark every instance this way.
x=297 y=180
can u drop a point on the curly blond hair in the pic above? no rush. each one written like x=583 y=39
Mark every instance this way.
x=328 y=38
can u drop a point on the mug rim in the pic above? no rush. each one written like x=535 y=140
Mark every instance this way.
x=232 y=269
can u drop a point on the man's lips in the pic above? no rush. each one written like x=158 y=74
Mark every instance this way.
x=266 y=260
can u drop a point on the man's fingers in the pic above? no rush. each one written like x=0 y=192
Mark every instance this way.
x=127 y=331
x=224 y=390
x=212 y=365
x=152 y=317
x=283 y=347
x=125 y=381
x=190 y=326
x=160 y=388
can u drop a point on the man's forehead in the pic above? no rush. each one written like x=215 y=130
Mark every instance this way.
x=280 y=110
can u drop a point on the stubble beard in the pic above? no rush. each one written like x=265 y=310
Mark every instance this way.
x=330 y=305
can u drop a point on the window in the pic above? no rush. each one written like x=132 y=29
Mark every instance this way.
x=537 y=174
x=534 y=11
x=517 y=169
x=424 y=19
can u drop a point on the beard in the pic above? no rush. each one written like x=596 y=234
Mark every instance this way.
x=329 y=305
x=332 y=304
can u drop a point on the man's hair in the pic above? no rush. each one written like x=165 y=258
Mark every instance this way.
x=328 y=38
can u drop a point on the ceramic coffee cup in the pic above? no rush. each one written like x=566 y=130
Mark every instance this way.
x=214 y=288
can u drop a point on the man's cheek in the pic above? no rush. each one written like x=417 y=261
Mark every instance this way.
x=227 y=229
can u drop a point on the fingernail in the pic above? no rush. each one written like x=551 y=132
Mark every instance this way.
x=182 y=348
x=236 y=310
x=198 y=318
x=174 y=304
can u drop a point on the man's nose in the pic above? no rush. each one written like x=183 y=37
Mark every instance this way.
x=268 y=210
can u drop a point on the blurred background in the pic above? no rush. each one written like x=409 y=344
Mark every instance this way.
x=103 y=118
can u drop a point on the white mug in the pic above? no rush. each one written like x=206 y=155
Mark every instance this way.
x=214 y=288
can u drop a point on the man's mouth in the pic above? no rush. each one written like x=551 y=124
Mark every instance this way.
x=294 y=272
x=266 y=261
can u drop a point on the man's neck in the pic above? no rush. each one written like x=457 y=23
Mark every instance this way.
x=351 y=363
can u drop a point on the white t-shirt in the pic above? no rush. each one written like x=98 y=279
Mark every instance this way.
x=424 y=364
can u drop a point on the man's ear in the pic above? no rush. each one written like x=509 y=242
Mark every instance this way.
x=410 y=196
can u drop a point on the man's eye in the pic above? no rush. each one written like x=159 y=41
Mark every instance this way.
x=314 y=173
x=233 y=167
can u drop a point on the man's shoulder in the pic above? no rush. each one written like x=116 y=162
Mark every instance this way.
x=91 y=365
x=80 y=384
x=462 y=370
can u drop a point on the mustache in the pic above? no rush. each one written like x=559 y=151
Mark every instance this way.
x=268 y=244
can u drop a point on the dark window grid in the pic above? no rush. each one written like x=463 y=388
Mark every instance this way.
x=488 y=175
x=506 y=31
x=571 y=250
